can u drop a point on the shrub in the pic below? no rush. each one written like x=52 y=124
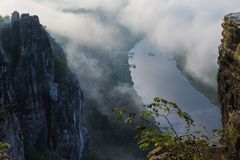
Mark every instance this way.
x=4 y=147
x=164 y=140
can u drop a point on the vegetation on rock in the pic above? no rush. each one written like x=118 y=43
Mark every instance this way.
x=4 y=147
x=229 y=82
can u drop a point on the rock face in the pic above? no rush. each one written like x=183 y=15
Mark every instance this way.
x=229 y=82
x=40 y=99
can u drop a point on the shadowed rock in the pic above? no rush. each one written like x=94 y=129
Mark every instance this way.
x=40 y=99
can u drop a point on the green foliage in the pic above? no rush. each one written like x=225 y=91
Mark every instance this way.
x=231 y=135
x=4 y=147
x=190 y=145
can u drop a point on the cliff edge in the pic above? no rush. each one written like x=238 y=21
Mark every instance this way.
x=40 y=98
x=229 y=82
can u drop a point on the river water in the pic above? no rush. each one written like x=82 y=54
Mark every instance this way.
x=156 y=75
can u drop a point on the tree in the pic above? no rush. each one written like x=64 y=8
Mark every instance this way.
x=164 y=140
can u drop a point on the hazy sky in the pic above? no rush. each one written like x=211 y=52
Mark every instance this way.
x=191 y=27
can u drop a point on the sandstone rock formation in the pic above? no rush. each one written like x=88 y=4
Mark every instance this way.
x=40 y=99
x=229 y=82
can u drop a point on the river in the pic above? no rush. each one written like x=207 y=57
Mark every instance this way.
x=156 y=75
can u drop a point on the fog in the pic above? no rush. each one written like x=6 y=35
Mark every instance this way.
x=184 y=27
x=95 y=30
x=175 y=26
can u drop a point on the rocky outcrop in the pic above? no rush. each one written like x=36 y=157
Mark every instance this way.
x=229 y=82
x=40 y=99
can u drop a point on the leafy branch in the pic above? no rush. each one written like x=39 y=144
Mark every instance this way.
x=152 y=134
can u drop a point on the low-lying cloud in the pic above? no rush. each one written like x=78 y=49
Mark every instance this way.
x=183 y=27
x=176 y=26
x=91 y=29
x=86 y=29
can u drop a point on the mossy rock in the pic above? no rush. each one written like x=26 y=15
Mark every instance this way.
x=232 y=132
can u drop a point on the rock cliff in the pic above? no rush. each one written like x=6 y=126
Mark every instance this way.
x=40 y=98
x=229 y=82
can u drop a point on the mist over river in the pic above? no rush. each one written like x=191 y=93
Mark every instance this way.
x=156 y=75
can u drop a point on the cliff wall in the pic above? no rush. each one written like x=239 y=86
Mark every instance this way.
x=229 y=82
x=40 y=99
